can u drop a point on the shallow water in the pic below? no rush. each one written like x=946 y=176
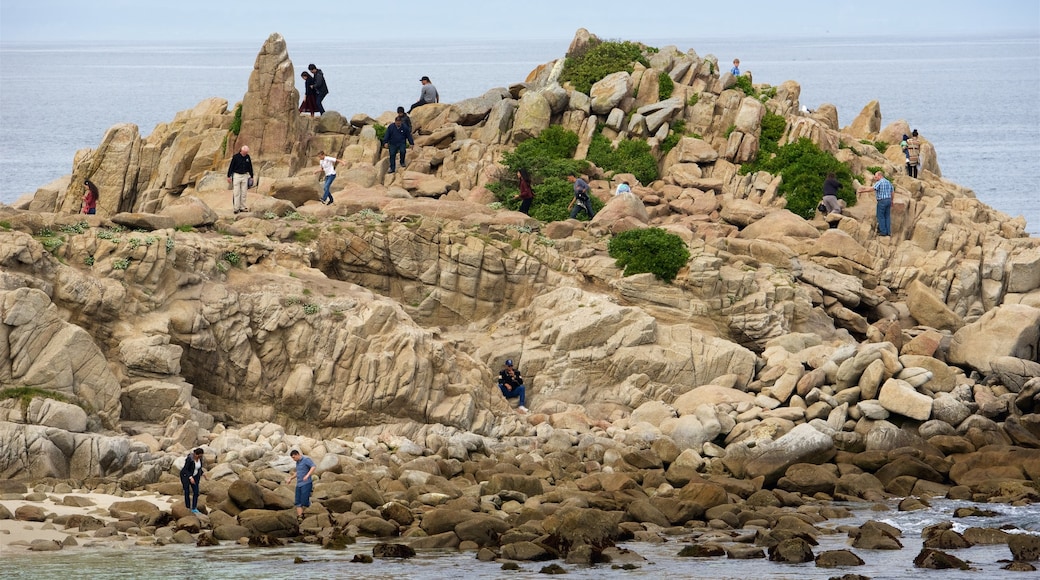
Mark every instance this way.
x=237 y=562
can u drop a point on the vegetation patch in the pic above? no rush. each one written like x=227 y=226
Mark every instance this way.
x=305 y=235
x=677 y=131
x=549 y=158
x=665 y=86
x=26 y=394
x=236 y=123
x=599 y=59
x=804 y=167
x=631 y=156
x=650 y=250
x=380 y=131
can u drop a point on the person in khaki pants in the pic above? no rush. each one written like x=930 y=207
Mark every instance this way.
x=239 y=173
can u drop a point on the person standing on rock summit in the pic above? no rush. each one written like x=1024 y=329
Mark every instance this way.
x=321 y=89
x=239 y=172
x=304 y=484
x=428 y=94
x=191 y=475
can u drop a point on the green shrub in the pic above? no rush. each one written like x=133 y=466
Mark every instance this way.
x=631 y=156
x=380 y=131
x=874 y=169
x=881 y=146
x=231 y=258
x=651 y=250
x=804 y=168
x=665 y=86
x=773 y=127
x=730 y=130
x=693 y=99
x=236 y=123
x=744 y=83
x=305 y=235
x=600 y=59
x=678 y=130
x=121 y=264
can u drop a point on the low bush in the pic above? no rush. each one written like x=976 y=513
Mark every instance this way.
x=631 y=156
x=677 y=131
x=665 y=86
x=804 y=168
x=650 y=250
x=600 y=59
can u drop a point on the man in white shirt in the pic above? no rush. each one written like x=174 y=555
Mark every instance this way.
x=328 y=165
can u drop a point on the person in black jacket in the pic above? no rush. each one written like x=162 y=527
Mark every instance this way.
x=319 y=86
x=512 y=385
x=239 y=172
x=396 y=136
x=191 y=474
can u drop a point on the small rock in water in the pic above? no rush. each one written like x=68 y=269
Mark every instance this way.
x=362 y=559
x=553 y=569
x=936 y=560
x=510 y=566
x=386 y=550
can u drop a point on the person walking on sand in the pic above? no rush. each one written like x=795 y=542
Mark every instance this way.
x=191 y=475
x=427 y=95
x=396 y=137
x=239 y=172
x=310 y=98
x=90 y=198
x=526 y=195
x=304 y=484
x=328 y=165
x=883 y=190
x=321 y=89
x=581 y=200
x=512 y=385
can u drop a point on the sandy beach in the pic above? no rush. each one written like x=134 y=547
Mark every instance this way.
x=19 y=535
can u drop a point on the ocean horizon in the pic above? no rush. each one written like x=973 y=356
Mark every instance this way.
x=977 y=99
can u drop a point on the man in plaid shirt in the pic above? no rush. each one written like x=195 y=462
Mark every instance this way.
x=883 y=193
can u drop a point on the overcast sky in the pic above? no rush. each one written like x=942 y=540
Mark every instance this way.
x=413 y=20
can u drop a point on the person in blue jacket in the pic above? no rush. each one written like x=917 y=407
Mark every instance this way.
x=396 y=136
x=191 y=474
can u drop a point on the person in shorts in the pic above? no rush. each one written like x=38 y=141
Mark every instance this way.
x=304 y=484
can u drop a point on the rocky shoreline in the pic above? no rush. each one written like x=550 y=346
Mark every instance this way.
x=790 y=365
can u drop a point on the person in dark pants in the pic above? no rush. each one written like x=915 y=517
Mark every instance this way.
x=396 y=137
x=321 y=89
x=526 y=195
x=512 y=385
x=90 y=197
x=407 y=119
x=428 y=95
x=581 y=200
x=191 y=474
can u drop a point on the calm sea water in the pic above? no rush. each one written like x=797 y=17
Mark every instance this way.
x=976 y=98
x=232 y=561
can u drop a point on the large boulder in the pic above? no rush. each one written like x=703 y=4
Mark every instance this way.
x=1009 y=330
x=608 y=92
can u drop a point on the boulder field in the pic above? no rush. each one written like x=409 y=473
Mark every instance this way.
x=790 y=363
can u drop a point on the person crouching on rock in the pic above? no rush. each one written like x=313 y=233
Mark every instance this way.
x=191 y=475
x=512 y=384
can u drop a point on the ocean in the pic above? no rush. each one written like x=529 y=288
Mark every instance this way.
x=977 y=99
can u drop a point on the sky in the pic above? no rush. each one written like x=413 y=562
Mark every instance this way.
x=418 y=20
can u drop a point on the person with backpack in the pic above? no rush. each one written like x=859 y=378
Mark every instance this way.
x=913 y=154
x=321 y=89
x=581 y=200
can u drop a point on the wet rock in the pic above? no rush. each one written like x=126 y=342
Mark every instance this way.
x=945 y=540
x=874 y=535
x=838 y=559
x=362 y=559
x=41 y=545
x=553 y=569
x=207 y=539
x=791 y=551
x=264 y=541
x=230 y=532
x=1017 y=566
x=526 y=552
x=1024 y=547
x=387 y=550
x=484 y=530
x=744 y=552
x=375 y=527
x=702 y=551
x=936 y=560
